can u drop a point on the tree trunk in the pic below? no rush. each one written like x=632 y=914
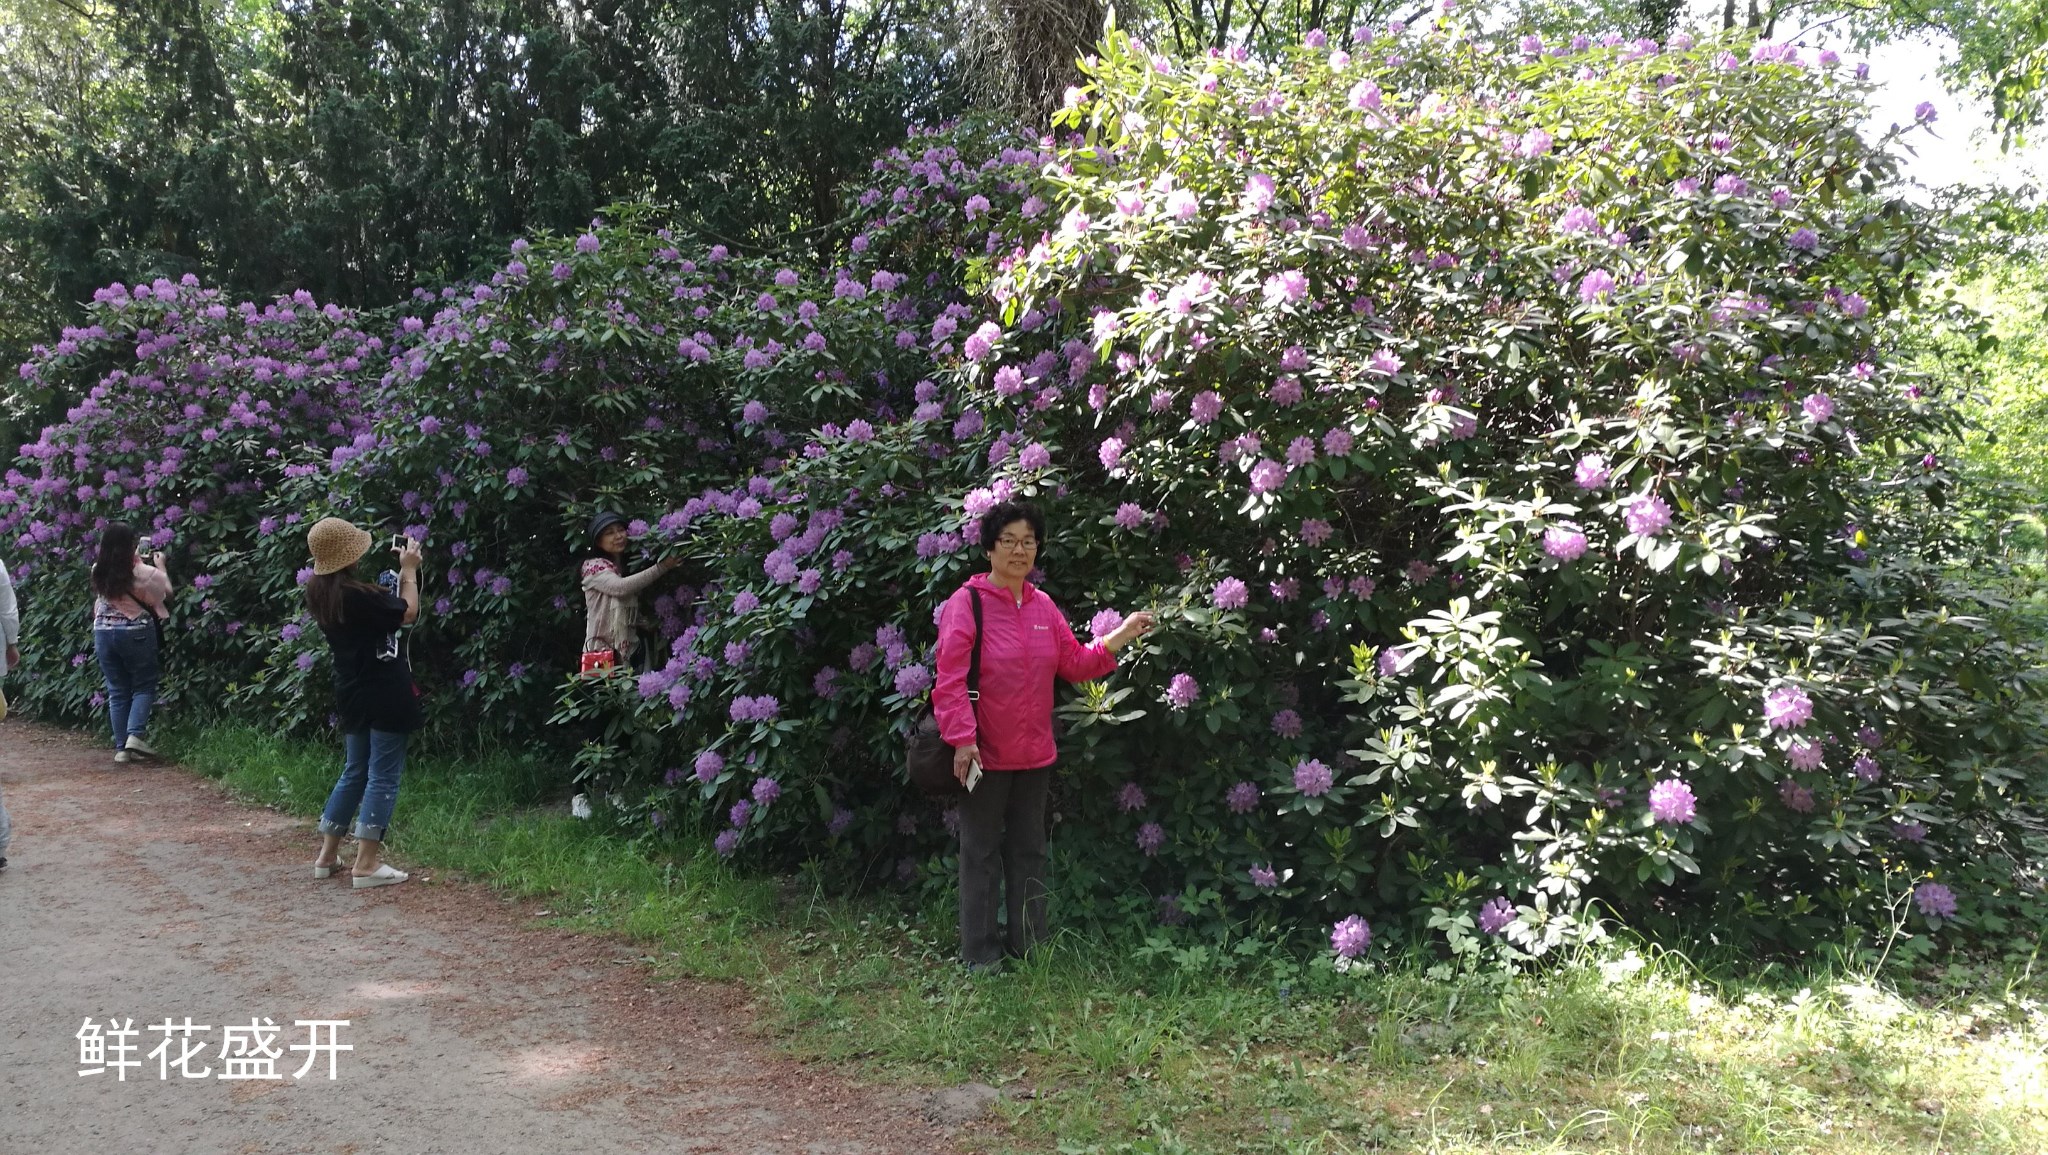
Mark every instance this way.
x=1045 y=38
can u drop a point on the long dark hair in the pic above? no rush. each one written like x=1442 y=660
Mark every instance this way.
x=113 y=571
x=325 y=594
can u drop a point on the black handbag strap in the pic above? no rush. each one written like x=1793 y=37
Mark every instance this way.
x=974 y=658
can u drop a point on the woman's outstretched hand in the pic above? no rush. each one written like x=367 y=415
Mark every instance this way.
x=1136 y=626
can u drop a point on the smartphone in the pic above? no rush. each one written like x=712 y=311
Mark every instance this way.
x=973 y=775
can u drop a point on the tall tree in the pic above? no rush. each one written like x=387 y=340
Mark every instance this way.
x=357 y=148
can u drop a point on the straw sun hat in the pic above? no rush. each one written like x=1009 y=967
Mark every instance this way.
x=336 y=545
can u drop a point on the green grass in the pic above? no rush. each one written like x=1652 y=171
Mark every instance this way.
x=1630 y=1050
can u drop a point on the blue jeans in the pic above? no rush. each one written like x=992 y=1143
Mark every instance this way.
x=368 y=786
x=128 y=663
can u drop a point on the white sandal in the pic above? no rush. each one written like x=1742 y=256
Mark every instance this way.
x=384 y=875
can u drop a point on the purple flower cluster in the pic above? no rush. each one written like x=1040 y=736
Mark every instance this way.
x=1351 y=937
x=1935 y=900
x=1564 y=543
x=1181 y=691
x=1151 y=837
x=1787 y=707
x=1592 y=472
x=762 y=709
x=1229 y=594
x=1312 y=779
x=1647 y=516
x=1104 y=623
x=708 y=765
x=1796 y=798
x=1672 y=802
x=1496 y=914
x=913 y=680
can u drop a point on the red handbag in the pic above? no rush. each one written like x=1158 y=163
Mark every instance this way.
x=597 y=660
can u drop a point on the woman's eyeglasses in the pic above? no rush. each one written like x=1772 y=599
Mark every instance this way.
x=1017 y=543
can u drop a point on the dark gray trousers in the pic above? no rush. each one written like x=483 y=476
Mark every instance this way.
x=1002 y=849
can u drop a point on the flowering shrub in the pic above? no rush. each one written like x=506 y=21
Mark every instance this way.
x=1515 y=449
x=1564 y=376
x=193 y=412
x=610 y=369
x=1511 y=439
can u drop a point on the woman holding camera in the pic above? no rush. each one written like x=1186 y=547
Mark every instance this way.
x=374 y=694
x=127 y=607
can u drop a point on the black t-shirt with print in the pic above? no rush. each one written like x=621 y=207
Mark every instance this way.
x=372 y=683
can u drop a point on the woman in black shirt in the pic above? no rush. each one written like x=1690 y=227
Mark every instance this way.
x=373 y=691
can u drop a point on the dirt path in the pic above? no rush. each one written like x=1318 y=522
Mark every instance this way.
x=143 y=892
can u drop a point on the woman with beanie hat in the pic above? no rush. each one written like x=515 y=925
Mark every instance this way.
x=611 y=599
x=373 y=692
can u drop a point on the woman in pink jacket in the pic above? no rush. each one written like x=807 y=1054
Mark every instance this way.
x=1025 y=643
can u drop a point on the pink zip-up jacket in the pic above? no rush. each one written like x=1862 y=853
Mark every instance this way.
x=1023 y=648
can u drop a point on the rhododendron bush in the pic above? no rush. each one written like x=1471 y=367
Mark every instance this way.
x=194 y=413
x=1511 y=437
x=608 y=370
x=1512 y=446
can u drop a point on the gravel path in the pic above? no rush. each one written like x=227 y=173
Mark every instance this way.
x=144 y=893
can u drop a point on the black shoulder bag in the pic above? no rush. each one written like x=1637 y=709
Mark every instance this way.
x=928 y=759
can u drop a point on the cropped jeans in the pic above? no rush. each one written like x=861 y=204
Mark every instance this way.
x=368 y=787
x=128 y=662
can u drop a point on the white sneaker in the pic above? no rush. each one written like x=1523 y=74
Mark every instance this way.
x=579 y=807
x=120 y=755
x=137 y=746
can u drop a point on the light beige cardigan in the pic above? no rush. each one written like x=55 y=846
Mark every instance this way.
x=611 y=604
